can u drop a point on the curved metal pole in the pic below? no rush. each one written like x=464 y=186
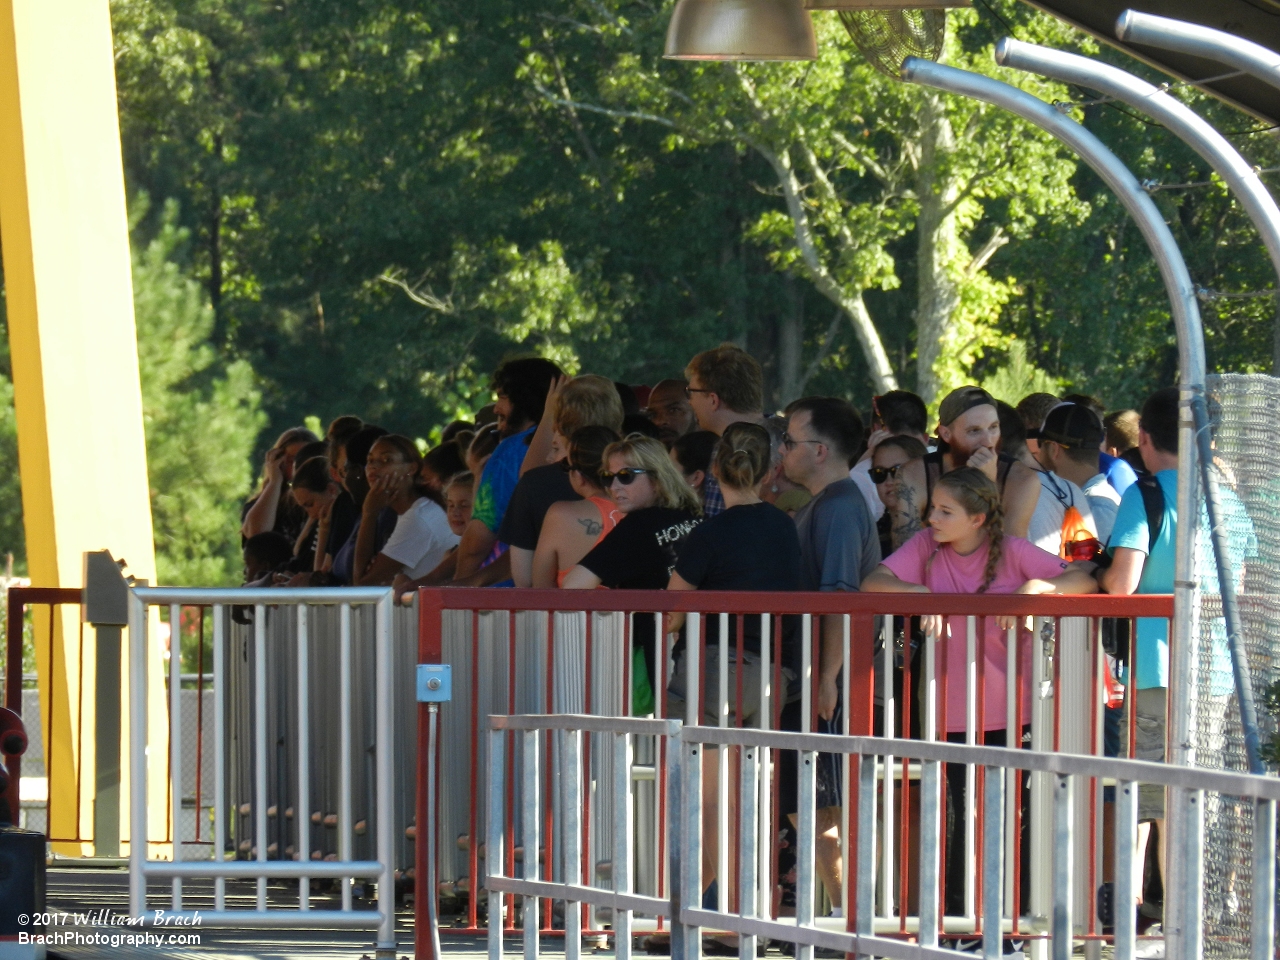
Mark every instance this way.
x=1194 y=40
x=1181 y=927
x=1262 y=210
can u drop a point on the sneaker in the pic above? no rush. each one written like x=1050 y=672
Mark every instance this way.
x=1149 y=949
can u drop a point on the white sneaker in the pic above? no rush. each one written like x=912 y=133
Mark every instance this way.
x=836 y=912
x=1151 y=948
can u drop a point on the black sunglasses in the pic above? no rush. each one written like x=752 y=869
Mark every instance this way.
x=881 y=474
x=625 y=476
x=568 y=466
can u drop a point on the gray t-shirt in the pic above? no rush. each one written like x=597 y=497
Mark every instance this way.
x=839 y=545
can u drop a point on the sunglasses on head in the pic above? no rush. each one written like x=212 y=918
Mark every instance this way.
x=625 y=476
x=881 y=474
x=568 y=466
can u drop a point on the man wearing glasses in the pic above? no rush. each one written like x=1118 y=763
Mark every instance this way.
x=725 y=386
x=839 y=547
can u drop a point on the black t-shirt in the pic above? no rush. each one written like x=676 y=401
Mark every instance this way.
x=533 y=496
x=749 y=547
x=640 y=552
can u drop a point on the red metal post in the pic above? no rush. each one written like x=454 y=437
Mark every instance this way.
x=425 y=905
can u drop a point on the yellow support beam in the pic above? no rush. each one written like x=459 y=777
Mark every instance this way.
x=68 y=287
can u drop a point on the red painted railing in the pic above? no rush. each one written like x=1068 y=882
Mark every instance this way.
x=862 y=611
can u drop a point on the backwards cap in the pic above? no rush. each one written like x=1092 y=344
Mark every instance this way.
x=1071 y=425
x=960 y=401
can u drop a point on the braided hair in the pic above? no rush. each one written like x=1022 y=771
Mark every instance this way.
x=977 y=493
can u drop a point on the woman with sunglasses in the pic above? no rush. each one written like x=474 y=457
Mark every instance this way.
x=890 y=454
x=573 y=527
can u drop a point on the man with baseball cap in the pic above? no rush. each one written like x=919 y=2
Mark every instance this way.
x=1070 y=442
x=969 y=435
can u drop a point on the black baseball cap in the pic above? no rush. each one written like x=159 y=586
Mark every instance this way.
x=960 y=401
x=1071 y=425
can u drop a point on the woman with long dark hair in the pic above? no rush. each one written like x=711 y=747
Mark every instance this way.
x=422 y=536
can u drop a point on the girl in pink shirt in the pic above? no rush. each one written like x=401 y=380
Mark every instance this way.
x=965 y=550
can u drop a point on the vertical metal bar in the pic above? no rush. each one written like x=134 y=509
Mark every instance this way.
x=493 y=862
x=692 y=663
x=1062 y=872
x=671 y=755
x=530 y=840
x=622 y=841
x=747 y=863
x=344 y=746
x=219 y=754
x=386 y=787
x=806 y=673
x=1013 y=681
x=175 y=741
x=764 y=825
x=866 y=882
x=929 y=713
x=972 y=720
x=930 y=822
x=1127 y=869
x=260 y=743
x=806 y=840
x=890 y=726
x=1264 y=880
x=722 y=780
x=301 y=815
x=846 y=770
x=1192 y=875
x=691 y=848
x=571 y=757
x=993 y=863
x=137 y=755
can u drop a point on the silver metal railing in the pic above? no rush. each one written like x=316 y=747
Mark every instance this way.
x=994 y=767
x=995 y=771
x=259 y=726
x=569 y=773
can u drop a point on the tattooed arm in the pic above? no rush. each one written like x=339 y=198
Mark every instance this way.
x=908 y=517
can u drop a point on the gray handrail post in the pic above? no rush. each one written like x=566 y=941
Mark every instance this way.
x=1191 y=363
x=1262 y=210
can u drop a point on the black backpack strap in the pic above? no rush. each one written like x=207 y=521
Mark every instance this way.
x=1153 y=500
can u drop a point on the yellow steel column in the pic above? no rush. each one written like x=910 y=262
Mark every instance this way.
x=69 y=297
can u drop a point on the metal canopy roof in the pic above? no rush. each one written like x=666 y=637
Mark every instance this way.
x=1256 y=20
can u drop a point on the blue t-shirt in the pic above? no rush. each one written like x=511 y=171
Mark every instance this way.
x=1152 y=653
x=1120 y=475
x=1151 y=656
x=498 y=480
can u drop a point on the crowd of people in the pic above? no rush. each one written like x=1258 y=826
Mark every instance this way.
x=583 y=483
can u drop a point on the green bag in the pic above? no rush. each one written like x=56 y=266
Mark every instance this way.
x=642 y=701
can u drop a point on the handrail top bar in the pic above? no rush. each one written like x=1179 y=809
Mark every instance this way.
x=578 y=721
x=1119 y=768
x=268 y=596
x=46 y=594
x=851 y=602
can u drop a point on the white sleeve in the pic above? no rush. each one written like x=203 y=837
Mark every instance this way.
x=409 y=540
x=861 y=475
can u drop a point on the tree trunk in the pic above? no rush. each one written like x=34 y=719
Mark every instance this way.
x=791 y=378
x=937 y=294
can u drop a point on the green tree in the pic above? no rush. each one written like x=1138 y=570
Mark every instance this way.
x=12 y=540
x=202 y=417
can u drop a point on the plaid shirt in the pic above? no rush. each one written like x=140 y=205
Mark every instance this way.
x=712 y=498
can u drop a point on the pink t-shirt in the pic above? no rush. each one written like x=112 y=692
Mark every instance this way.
x=922 y=560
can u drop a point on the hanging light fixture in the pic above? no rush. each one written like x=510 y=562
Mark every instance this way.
x=741 y=30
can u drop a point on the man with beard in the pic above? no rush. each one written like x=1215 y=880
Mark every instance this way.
x=968 y=435
x=670 y=411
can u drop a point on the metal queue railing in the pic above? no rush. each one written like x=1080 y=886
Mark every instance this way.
x=540 y=652
x=288 y=699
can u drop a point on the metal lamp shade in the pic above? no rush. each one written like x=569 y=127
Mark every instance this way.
x=741 y=30
x=867 y=5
